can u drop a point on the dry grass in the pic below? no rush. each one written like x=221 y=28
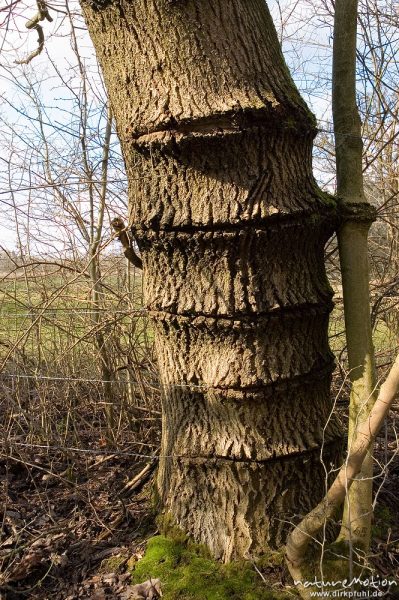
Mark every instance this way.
x=70 y=521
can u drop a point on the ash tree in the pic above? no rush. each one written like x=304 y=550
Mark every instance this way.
x=231 y=227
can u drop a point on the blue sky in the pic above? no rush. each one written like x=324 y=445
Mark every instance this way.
x=307 y=48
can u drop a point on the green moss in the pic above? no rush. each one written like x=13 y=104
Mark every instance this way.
x=168 y=528
x=188 y=573
x=112 y=564
x=274 y=558
x=155 y=498
x=327 y=199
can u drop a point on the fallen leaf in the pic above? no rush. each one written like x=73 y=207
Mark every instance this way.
x=149 y=590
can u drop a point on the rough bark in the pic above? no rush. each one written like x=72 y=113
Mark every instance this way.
x=231 y=228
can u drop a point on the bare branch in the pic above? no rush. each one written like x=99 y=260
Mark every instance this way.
x=34 y=23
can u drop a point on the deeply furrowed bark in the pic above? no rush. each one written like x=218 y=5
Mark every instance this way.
x=231 y=227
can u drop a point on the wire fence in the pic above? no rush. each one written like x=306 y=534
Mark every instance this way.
x=73 y=374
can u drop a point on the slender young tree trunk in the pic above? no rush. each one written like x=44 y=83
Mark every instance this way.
x=96 y=230
x=306 y=531
x=352 y=239
x=231 y=228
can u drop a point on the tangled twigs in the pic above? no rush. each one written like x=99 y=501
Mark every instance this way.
x=34 y=23
x=140 y=479
x=308 y=528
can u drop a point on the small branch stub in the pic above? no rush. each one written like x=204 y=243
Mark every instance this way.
x=120 y=229
x=34 y=23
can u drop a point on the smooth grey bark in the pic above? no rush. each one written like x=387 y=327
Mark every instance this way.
x=352 y=240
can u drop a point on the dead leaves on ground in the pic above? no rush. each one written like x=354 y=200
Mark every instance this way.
x=112 y=585
x=54 y=534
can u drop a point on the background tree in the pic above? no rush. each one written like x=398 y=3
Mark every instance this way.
x=66 y=299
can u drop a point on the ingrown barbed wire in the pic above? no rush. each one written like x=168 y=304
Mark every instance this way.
x=190 y=386
x=68 y=379
x=93 y=451
x=110 y=451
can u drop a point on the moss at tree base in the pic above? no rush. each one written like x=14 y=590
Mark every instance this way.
x=188 y=573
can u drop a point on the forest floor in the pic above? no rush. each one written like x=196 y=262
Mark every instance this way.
x=70 y=529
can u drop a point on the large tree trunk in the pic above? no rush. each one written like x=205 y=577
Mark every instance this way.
x=231 y=226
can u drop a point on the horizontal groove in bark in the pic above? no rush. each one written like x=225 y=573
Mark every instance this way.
x=256 y=430
x=231 y=496
x=305 y=453
x=236 y=272
x=266 y=391
x=244 y=321
x=225 y=181
x=230 y=358
x=223 y=124
x=328 y=217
